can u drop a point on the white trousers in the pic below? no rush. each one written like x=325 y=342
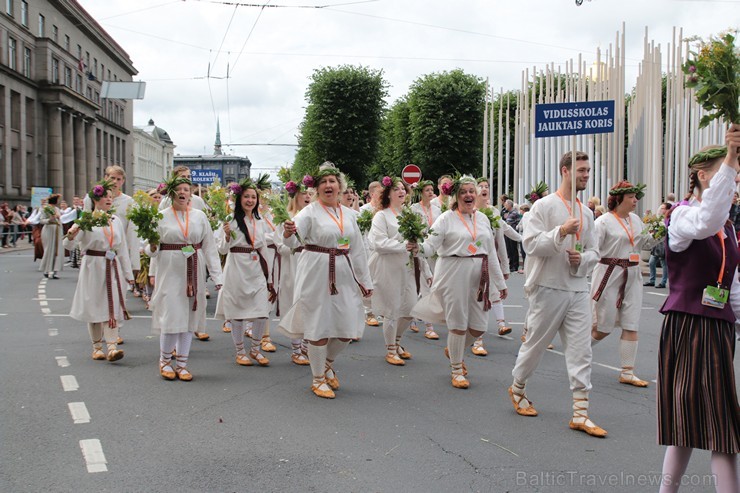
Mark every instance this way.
x=553 y=311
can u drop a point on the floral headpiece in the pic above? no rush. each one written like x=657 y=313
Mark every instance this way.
x=293 y=188
x=174 y=181
x=326 y=169
x=451 y=189
x=162 y=188
x=390 y=181
x=708 y=155
x=638 y=190
x=482 y=179
x=420 y=185
x=261 y=183
x=538 y=191
x=99 y=190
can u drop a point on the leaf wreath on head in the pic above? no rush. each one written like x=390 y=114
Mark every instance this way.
x=173 y=182
x=538 y=191
x=638 y=190
x=708 y=155
x=458 y=180
x=263 y=182
x=100 y=189
x=420 y=188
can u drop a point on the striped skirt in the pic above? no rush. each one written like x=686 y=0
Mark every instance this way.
x=697 y=400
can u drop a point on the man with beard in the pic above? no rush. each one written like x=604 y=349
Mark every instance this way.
x=562 y=250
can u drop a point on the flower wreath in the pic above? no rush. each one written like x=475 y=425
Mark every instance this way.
x=171 y=184
x=329 y=170
x=638 y=190
x=451 y=189
x=260 y=184
x=708 y=155
x=293 y=188
x=538 y=191
x=99 y=190
x=390 y=181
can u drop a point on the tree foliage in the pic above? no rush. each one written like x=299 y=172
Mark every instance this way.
x=342 y=120
x=395 y=141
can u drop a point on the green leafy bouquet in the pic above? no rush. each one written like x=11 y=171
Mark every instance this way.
x=412 y=227
x=89 y=220
x=655 y=226
x=279 y=206
x=492 y=218
x=50 y=211
x=219 y=209
x=714 y=71
x=144 y=213
x=365 y=220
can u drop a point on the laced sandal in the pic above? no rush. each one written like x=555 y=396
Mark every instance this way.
x=458 y=379
x=243 y=360
x=267 y=345
x=478 y=349
x=332 y=381
x=183 y=374
x=201 y=336
x=98 y=354
x=587 y=425
x=299 y=359
x=114 y=355
x=503 y=329
x=464 y=368
x=414 y=328
x=248 y=332
x=165 y=369
x=321 y=389
x=402 y=353
x=517 y=399
x=524 y=335
x=392 y=357
x=226 y=328
x=629 y=378
x=371 y=321
x=430 y=334
x=259 y=358
x=119 y=341
x=137 y=293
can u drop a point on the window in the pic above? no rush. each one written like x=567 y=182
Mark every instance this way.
x=78 y=83
x=89 y=93
x=102 y=72
x=42 y=26
x=9 y=7
x=95 y=67
x=12 y=43
x=97 y=97
x=87 y=61
x=79 y=52
x=66 y=42
x=24 y=13
x=67 y=76
x=27 y=62
x=54 y=70
x=55 y=33
x=108 y=74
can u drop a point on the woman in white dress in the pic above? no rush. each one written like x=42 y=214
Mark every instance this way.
x=429 y=212
x=178 y=302
x=105 y=268
x=331 y=278
x=616 y=287
x=467 y=265
x=390 y=267
x=246 y=293
x=51 y=238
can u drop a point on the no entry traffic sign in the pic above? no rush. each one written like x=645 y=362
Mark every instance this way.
x=411 y=174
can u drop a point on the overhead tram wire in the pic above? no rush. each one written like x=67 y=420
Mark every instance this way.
x=275 y=6
x=249 y=35
x=151 y=7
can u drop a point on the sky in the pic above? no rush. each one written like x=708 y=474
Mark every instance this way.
x=184 y=50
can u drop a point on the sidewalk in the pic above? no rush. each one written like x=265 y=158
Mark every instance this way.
x=22 y=247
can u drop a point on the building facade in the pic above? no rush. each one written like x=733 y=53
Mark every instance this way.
x=233 y=168
x=55 y=130
x=153 y=156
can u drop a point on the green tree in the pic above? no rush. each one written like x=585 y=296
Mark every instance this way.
x=395 y=142
x=342 y=121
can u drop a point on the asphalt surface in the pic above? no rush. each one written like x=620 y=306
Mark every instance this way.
x=244 y=429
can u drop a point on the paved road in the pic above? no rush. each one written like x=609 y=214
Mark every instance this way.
x=260 y=429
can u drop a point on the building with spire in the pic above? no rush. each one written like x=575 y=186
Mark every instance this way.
x=232 y=168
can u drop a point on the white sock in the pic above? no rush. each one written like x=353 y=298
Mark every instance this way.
x=111 y=337
x=317 y=357
x=237 y=335
x=456 y=345
x=627 y=355
x=96 y=334
x=296 y=345
x=498 y=310
x=167 y=344
x=334 y=347
x=258 y=330
x=580 y=407
x=389 y=332
x=401 y=325
x=470 y=338
x=184 y=339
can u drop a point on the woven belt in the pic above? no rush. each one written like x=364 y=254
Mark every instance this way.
x=484 y=285
x=191 y=289
x=111 y=265
x=333 y=252
x=276 y=284
x=263 y=265
x=612 y=264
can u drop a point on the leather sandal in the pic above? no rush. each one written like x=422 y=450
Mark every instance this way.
x=394 y=359
x=402 y=353
x=478 y=349
x=587 y=425
x=201 y=336
x=372 y=321
x=299 y=359
x=459 y=381
x=114 y=355
x=226 y=328
x=464 y=368
x=257 y=356
x=321 y=389
x=631 y=379
x=503 y=329
x=243 y=360
x=167 y=374
x=98 y=354
x=267 y=345
x=333 y=381
x=119 y=341
x=516 y=399
x=183 y=373
x=430 y=334
x=413 y=327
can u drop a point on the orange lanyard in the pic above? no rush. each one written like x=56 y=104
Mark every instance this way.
x=630 y=233
x=429 y=214
x=187 y=223
x=340 y=223
x=721 y=235
x=570 y=212
x=111 y=236
x=268 y=222
x=474 y=232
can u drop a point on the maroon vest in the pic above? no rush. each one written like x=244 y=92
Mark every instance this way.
x=697 y=267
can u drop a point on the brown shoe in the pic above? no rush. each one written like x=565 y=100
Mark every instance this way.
x=372 y=321
x=460 y=382
x=299 y=359
x=114 y=355
x=464 y=368
x=183 y=374
x=503 y=330
x=201 y=336
x=241 y=359
x=522 y=411
x=478 y=349
x=430 y=334
x=394 y=359
x=167 y=374
x=119 y=341
x=324 y=392
x=631 y=379
x=402 y=353
x=257 y=356
x=333 y=381
x=592 y=429
x=413 y=327
x=226 y=328
x=267 y=345
x=98 y=354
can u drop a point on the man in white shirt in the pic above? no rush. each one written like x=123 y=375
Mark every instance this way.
x=442 y=201
x=562 y=249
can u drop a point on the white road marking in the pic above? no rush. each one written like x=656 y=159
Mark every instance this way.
x=92 y=451
x=46 y=311
x=41 y=297
x=43 y=303
x=42 y=291
x=657 y=294
x=69 y=383
x=44 y=298
x=513 y=306
x=62 y=361
x=79 y=413
x=53 y=332
x=3 y=314
x=647 y=307
x=593 y=362
x=505 y=337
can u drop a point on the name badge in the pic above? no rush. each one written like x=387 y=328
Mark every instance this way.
x=343 y=243
x=634 y=257
x=188 y=251
x=579 y=247
x=110 y=254
x=255 y=257
x=473 y=248
x=714 y=296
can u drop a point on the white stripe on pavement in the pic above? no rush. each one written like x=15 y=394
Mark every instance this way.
x=53 y=332
x=43 y=303
x=79 y=413
x=46 y=311
x=92 y=451
x=69 y=383
x=62 y=361
x=657 y=294
x=513 y=306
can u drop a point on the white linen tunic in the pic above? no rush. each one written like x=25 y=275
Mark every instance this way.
x=389 y=268
x=244 y=293
x=90 y=302
x=268 y=227
x=172 y=310
x=289 y=263
x=121 y=205
x=615 y=243
x=315 y=314
x=453 y=296
x=51 y=239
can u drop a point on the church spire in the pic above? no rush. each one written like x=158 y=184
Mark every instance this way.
x=217 y=144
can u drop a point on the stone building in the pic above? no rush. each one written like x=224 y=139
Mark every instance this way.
x=153 y=156
x=233 y=168
x=55 y=130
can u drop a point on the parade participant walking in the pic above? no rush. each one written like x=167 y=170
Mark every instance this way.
x=443 y=200
x=429 y=212
x=617 y=280
x=179 y=302
x=331 y=278
x=51 y=238
x=390 y=268
x=374 y=190
x=99 y=296
x=697 y=396
x=561 y=252
x=467 y=265
x=246 y=292
x=657 y=255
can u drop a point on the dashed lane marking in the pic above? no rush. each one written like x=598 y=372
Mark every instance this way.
x=92 y=451
x=69 y=383
x=62 y=361
x=43 y=303
x=79 y=413
x=657 y=294
x=53 y=332
x=46 y=311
